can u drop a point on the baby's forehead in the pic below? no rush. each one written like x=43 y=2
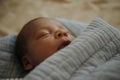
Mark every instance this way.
x=45 y=21
x=36 y=24
x=41 y=23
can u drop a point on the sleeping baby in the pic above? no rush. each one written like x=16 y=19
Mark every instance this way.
x=39 y=39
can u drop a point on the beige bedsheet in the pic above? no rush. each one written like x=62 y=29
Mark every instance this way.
x=15 y=13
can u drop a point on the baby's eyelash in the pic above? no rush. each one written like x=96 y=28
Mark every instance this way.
x=42 y=35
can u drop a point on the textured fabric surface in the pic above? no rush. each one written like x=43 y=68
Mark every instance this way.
x=94 y=55
x=9 y=67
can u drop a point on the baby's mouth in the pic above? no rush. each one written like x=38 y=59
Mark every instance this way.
x=64 y=44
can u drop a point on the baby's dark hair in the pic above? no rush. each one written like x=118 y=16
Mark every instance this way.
x=22 y=38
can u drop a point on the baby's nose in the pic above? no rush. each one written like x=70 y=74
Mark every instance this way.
x=61 y=33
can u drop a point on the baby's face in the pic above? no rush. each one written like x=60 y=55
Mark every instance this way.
x=49 y=36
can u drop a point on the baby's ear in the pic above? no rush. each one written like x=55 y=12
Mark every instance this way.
x=26 y=63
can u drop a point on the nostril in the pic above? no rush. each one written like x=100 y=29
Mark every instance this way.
x=59 y=35
x=65 y=34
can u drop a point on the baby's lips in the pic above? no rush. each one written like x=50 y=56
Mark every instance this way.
x=64 y=44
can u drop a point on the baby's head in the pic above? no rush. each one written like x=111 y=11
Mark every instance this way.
x=39 y=39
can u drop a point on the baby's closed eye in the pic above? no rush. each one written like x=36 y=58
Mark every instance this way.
x=42 y=34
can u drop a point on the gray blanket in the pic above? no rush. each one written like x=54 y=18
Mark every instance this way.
x=93 y=55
